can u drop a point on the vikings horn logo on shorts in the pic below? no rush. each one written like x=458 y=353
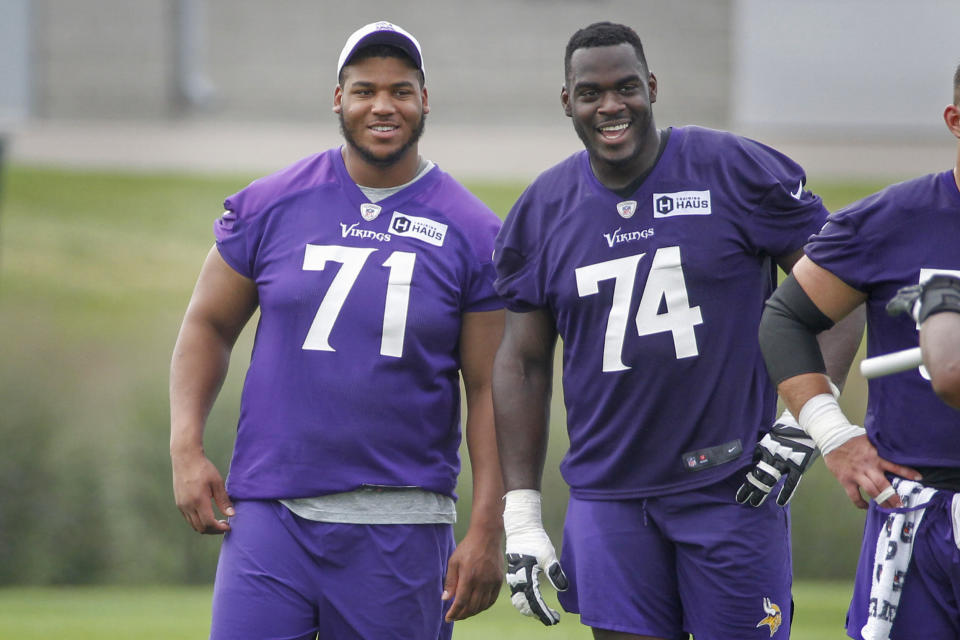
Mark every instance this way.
x=773 y=618
x=369 y=211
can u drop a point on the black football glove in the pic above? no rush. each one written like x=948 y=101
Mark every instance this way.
x=523 y=573
x=785 y=450
x=939 y=293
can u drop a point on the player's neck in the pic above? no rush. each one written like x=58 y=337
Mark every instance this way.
x=618 y=176
x=378 y=176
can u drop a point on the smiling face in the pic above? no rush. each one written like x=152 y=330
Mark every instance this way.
x=609 y=94
x=382 y=108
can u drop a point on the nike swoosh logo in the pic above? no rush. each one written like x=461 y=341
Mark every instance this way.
x=799 y=192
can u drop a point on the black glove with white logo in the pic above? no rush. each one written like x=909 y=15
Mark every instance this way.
x=523 y=573
x=785 y=450
x=937 y=294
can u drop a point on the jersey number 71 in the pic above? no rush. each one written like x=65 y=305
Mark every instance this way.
x=352 y=259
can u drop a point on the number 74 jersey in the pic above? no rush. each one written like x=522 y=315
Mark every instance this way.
x=657 y=298
x=354 y=376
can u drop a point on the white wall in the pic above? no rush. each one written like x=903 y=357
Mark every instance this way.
x=489 y=61
x=14 y=62
x=849 y=68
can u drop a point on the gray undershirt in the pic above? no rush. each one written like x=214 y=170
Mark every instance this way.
x=379 y=505
x=375 y=194
x=367 y=505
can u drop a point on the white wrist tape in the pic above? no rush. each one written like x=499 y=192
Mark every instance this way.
x=834 y=389
x=822 y=418
x=521 y=511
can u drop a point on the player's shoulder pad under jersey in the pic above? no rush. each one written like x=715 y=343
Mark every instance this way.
x=895 y=204
x=757 y=178
x=544 y=200
x=874 y=217
x=467 y=214
x=263 y=192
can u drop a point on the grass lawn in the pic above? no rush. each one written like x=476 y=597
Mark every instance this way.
x=174 y=613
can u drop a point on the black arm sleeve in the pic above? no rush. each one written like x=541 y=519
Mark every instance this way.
x=788 y=333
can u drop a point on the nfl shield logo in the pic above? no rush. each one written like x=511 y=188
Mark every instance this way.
x=627 y=208
x=369 y=211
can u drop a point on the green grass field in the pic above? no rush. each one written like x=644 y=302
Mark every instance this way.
x=175 y=613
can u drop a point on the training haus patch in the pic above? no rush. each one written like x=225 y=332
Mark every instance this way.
x=430 y=231
x=681 y=203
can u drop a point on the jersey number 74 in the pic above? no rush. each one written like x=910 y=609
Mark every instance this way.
x=665 y=283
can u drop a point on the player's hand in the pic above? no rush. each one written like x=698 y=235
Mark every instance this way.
x=906 y=301
x=940 y=292
x=196 y=485
x=785 y=450
x=857 y=465
x=530 y=553
x=474 y=574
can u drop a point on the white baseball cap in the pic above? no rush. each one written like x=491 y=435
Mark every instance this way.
x=382 y=32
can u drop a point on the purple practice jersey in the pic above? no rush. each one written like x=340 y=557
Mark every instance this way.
x=898 y=237
x=354 y=377
x=657 y=298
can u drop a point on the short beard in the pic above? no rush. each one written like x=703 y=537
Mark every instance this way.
x=588 y=144
x=383 y=161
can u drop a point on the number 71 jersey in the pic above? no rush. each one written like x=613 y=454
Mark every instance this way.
x=354 y=376
x=657 y=298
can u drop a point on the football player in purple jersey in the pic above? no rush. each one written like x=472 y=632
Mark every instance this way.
x=906 y=461
x=372 y=272
x=650 y=254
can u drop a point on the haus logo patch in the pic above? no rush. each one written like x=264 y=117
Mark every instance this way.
x=425 y=229
x=681 y=203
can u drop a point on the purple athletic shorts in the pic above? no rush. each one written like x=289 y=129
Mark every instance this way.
x=283 y=577
x=694 y=562
x=929 y=604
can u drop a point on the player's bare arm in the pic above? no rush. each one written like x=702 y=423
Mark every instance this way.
x=221 y=305
x=940 y=345
x=475 y=570
x=522 y=387
x=522 y=383
x=847 y=452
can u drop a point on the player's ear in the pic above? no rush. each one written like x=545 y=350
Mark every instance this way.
x=565 y=101
x=951 y=115
x=652 y=86
x=338 y=99
x=426 y=103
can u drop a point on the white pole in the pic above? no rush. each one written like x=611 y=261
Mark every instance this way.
x=888 y=363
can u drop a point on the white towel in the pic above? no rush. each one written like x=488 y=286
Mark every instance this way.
x=955 y=507
x=894 y=548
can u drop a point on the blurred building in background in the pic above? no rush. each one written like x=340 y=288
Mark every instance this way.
x=835 y=74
